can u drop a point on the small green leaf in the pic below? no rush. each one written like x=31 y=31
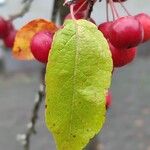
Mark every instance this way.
x=78 y=75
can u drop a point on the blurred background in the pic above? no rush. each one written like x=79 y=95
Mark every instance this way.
x=128 y=120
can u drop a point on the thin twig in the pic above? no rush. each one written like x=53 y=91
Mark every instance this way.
x=25 y=9
x=107 y=11
x=55 y=10
x=63 y=11
x=90 y=9
x=24 y=1
x=58 y=7
x=25 y=138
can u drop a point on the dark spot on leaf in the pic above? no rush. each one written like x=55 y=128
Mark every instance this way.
x=58 y=133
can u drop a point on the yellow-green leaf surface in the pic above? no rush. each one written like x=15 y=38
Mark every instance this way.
x=78 y=76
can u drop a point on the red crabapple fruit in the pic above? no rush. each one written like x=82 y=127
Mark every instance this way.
x=104 y=28
x=10 y=38
x=108 y=100
x=122 y=57
x=126 y=32
x=144 y=19
x=41 y=45
x=3 y=28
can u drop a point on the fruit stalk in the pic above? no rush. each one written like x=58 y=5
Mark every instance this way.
x=114 y=8
x=122 y=5
x=72 y=12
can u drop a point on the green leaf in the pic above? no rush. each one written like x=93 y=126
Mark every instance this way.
x=78 y=76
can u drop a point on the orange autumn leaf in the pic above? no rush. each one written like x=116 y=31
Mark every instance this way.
x=21 y=48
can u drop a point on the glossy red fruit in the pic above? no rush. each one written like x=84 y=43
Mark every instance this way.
x=108 y=100
x=9 y=26
x=41 y=45
x=122 y=57
x=10 y=38
x=126 y=32
x=3 y=28
x=81 y=5
x=144 y=19
x=104 y=28
x=79 y=15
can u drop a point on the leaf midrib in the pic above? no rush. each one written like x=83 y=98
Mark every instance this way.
x=74 y=76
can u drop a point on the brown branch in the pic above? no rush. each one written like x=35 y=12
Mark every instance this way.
x=90 y=9
x=55 y=10
x=25 y=9
x=24 y=1
x=58 y=8
x=25 y=138
x=63 y=11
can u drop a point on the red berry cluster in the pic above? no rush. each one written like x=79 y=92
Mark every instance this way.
x=41 y=41
x=123 y=34
x=7 y=32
